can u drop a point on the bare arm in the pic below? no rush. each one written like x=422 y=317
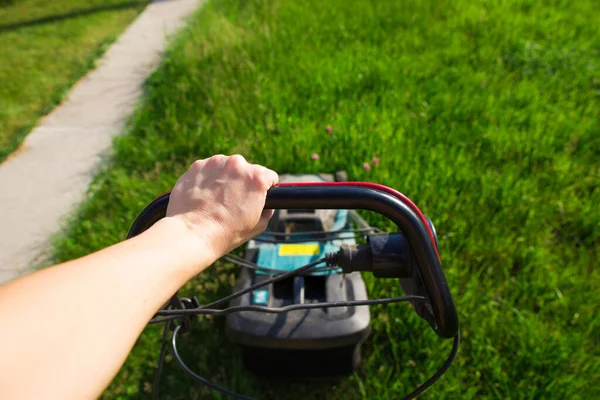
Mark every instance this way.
x=67 y=330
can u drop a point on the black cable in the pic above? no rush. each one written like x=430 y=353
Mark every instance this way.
x=420 y=389
x=242 y=262
x=164 y=319
x=235 y=259
x=358 y=230
x=176 y=315
x=311 y=239
x=291 y=307
x=161 y=361
x=198 y=377
x=441 y=371
x=169 y=315
x=263 y=283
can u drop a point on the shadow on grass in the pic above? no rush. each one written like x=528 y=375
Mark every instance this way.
x=69 y=15
x=208 y=353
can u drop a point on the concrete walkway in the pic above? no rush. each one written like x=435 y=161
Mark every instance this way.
x=43 y=181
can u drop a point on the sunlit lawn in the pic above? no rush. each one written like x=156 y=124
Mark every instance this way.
x=484 y=113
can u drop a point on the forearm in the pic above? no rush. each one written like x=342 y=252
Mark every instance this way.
x=85 y=315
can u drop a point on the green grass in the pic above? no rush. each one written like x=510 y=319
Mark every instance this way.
x=485 y=113
x=45 y=46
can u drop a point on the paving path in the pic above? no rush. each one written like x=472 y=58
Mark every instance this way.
x=43 y=181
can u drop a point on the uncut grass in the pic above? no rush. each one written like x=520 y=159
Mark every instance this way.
x=484 y=114
x=45 y=47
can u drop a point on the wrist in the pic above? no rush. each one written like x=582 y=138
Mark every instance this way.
x=191 y=253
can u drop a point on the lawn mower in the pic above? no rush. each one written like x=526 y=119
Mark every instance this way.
x=309 y=343
x=299 y=306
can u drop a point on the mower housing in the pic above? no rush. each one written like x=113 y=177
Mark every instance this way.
x=309 y=343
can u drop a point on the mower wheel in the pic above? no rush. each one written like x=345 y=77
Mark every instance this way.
x=356 y=357
x=274 y=363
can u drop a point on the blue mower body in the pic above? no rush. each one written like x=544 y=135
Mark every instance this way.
x=318 y=342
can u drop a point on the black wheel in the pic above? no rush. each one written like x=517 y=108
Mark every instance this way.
x=356 y=357
x=341 y=176
x=283 y=363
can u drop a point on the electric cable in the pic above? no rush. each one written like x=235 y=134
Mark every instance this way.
x=420 y=389
x=161 y=361
x=263 y=283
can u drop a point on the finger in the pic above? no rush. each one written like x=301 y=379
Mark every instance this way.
x=266 y=178
x=237 y=166
x=272 y=177
x=263 y=222
x=216 y=161
x=198 y=165
x=267 y=215
x=237 y=160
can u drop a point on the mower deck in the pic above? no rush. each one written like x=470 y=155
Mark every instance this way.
x=317 y=342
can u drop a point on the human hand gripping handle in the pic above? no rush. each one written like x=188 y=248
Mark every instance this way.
x=221 y=200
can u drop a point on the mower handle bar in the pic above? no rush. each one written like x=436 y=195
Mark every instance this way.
x=366 y=196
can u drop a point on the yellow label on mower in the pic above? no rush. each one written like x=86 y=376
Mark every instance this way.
x=299 y=249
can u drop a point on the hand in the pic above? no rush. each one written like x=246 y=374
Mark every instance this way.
x=221 y=200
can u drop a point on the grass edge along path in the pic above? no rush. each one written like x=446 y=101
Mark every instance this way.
x=50 y=48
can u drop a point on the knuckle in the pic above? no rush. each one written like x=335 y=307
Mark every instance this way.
x=217 y=158
x=237 y=163
x=214 y=161
x=196 y=165
x=238 y=159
